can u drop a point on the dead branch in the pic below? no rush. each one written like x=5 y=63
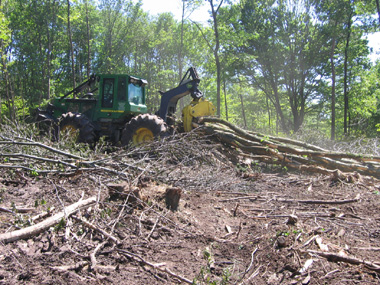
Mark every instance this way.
x=43 y=214
x=327 y=202
x=240 y=198
x=93 y=227
x=347 y=259
x=44 y=225
x=6 y=210
x=154 y=266
x=26 y=156
x=368 y=248
x=94 y=262
x=250 y=264
x=36 y=144
x=153 y=228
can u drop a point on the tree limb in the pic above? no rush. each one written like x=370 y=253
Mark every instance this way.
x=46 y=224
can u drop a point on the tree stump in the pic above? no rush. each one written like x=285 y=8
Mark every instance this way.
x=172 y=197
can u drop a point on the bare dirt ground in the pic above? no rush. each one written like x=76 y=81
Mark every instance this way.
x=237 y=223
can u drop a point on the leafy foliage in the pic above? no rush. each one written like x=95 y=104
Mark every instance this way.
x=275 y=73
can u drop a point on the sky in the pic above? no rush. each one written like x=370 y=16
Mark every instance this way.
x=374 y=43
x=155 y=7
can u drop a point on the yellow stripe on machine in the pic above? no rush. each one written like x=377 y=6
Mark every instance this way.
x=112 y=111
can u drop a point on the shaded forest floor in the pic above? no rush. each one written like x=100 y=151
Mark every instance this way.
x=238 y=222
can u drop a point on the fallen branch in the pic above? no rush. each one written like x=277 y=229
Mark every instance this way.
x=43 y=214
x=155 y=266
x=18 y=210
x=153 y=228
x=250 y=264
x=52 y=149
x=368 y=248
x=347 y=259
x=6 y=210
x=92 y=226
x=240 y=198
x=326 y=202
x=46 y=224
x=27 y=156
x=94 y=262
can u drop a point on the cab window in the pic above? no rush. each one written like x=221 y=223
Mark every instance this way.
x=108 y=89
x=135 y=94
x=122 y=88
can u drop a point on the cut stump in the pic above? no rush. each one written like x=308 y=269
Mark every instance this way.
x=172 y=197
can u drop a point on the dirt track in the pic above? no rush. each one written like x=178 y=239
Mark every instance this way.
x=235 y=225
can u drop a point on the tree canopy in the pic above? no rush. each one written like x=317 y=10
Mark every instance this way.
x=269 y=65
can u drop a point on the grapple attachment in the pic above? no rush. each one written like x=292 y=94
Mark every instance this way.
x=197 y=108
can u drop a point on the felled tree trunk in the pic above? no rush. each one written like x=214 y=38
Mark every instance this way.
x=290 y=153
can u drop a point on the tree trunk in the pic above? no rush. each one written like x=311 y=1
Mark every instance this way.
x=2 y=71
x=180 y=61
x=50 y=25
x=269 y=117
x=225 y=99
x=332 y=89
x=216 y=54
x=345 y=74
x=48 y=59
x=280 y=114
x=291 y=153
x=71 y=43
x=378 y=10
x=8 y=91
x=88 y=42
x=242 y=110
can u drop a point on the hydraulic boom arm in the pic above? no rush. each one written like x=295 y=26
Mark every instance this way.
x=198 y=106
x=83 y=86
x=188 y=85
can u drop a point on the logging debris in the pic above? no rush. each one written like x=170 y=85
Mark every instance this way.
x=290 y=153
x=236 y=222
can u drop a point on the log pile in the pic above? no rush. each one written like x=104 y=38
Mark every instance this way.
x=290 y=154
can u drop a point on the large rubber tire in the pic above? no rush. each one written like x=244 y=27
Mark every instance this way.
x=78 y=125
x=143 y=128
x=46 y=125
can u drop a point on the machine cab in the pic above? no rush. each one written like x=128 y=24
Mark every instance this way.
x=121 y=95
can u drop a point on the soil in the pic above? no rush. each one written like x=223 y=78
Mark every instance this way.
x=235 y=224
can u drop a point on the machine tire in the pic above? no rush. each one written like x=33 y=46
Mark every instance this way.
x=143 y=128
x=46 y=125
x=79 y=123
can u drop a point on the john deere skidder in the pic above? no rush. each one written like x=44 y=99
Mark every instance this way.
x=117 y=110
